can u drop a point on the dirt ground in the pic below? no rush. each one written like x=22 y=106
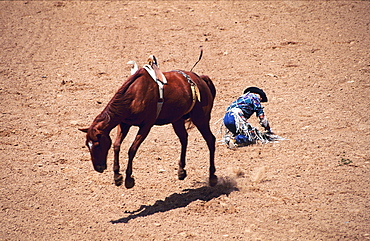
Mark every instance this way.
x=61 y=62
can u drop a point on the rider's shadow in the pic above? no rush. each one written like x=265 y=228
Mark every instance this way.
x=180 y=200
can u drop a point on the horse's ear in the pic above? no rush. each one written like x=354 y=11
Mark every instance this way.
x=83 y=129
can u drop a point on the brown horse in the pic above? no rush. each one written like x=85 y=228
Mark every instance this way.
x=135 y=104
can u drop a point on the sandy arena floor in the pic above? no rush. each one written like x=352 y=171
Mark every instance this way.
x=61 y=62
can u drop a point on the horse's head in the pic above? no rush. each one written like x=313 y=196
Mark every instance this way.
x=98 y=143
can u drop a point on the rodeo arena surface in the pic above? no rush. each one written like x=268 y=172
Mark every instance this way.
x=306 y=178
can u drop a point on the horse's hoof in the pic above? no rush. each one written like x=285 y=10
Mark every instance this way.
x=181 y=174
x=129 y=182
x=118 y=179
x=213 y=180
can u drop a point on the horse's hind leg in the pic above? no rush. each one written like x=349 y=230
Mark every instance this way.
x=140 y=137
x=122 y=131
x=179 y=127
x=205 y=130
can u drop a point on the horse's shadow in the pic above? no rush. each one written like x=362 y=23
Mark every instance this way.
x=180 y=200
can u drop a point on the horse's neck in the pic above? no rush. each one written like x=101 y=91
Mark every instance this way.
x=115 y=111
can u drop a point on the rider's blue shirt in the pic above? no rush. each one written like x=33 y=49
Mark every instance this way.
x=248 y=103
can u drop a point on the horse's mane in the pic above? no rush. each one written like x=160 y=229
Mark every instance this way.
x=104 y=116
x=126 y=85
x=112 y=109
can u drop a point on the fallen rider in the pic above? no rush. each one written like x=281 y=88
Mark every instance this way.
x=238 y=113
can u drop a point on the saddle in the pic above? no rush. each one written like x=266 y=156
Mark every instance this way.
x=153 y=70
x=157 y=75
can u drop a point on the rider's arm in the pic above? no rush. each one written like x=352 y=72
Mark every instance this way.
x=264 y=123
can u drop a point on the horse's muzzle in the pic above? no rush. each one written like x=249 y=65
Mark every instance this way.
x=100 y=168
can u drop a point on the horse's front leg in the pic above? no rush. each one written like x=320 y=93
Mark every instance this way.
x=140 y=137
x=181 y=132
x=122 y=131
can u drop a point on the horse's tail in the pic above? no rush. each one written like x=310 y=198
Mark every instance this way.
x=210 y=84
x=200 y=57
